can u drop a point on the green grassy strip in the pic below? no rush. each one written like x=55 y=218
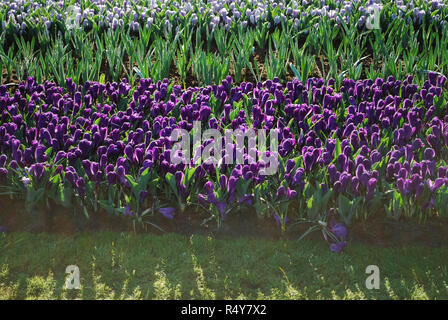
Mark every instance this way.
x=192 y=56
x=128 y=266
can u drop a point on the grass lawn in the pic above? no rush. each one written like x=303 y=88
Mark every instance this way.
x=172 y=266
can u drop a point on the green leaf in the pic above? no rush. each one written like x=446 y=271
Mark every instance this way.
x=338 y=149
x=171 y=182
x=296 y=72
x=48 y=151
x=132 y=181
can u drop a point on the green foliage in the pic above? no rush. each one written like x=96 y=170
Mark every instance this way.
x=314 y=47
x=210 y=68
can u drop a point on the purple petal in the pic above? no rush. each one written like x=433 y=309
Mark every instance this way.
x=338 y=247
x=167 y=212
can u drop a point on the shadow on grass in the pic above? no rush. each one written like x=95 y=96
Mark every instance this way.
x=129 y=266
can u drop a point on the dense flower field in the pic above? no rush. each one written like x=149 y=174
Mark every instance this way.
x=95 y=96
x=20 y=15
x=369 y=147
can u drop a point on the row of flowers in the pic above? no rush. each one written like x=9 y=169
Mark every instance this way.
x=374 y=146
x=23 y=14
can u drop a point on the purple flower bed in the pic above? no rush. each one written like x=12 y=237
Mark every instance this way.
x=370 y=147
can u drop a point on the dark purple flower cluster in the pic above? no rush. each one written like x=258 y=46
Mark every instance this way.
x=360 y=140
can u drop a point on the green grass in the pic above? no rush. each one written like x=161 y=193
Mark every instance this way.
x=130 y=266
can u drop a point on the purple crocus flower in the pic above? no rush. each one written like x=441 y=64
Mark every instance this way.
x=179 y=177
x=221 y=206
x=308 y=161
x=211 y=197
x=434 y=186
x=80 y=185
x=223 y=182
x=290 y=164
x=202 y=199
x=208 y=187
x=37 y=170
x=112 y=178
x=429 y=154
x=371 y=186
x=338 y=246
x=70 y=177
x=333 y=172
x=3 y=159
x=401 y=186
x=232 y=183
x=85 y=146
x=3 y=174
x=167 y=212
x=39 y=154
x=247 y=199
x=339 y=230
x=432 y=76
x=291 y=194
x=205 y=113
x=281 y=192
x=342 y=160
x=13 y=165
x=127 y=211
x=138 y=155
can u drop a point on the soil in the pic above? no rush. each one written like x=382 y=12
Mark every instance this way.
x=378 y=231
